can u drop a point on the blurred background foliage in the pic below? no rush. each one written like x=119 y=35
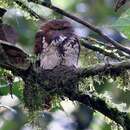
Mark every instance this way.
x=72 y=116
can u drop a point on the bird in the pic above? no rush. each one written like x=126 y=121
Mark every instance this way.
x=57 y=44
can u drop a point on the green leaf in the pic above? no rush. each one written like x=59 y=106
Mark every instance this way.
x=17 y=90
x=123 y=23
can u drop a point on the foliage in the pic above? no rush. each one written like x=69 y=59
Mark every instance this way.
x=114 y=89
x=122 y=24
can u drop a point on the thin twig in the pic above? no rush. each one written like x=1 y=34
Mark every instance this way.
x=87 y=24
x=101 y=49
x=33 y=13
x=106 y=46
x=95 y=41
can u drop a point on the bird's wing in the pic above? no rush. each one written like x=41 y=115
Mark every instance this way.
x=39 y=37
x=71 y=50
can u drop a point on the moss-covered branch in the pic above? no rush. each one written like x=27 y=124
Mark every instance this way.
x=62 y=81
x=100 y=105
x=101 y=49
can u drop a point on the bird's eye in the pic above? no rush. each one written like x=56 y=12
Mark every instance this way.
x=61 y=28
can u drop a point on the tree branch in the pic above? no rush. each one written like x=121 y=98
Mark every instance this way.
x=93 y=40
x=100 y=105
x=62 y=81
x=33 y=13
x=102 y=68
x=113 y=67
x=101 y=49
x=87 y=24
x=106 y=46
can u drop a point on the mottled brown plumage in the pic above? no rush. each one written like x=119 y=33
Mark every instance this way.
x=56 y=44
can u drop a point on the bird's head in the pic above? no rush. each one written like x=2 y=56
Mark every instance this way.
x=51 y=31
x=55 y=28
x=56 y=25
